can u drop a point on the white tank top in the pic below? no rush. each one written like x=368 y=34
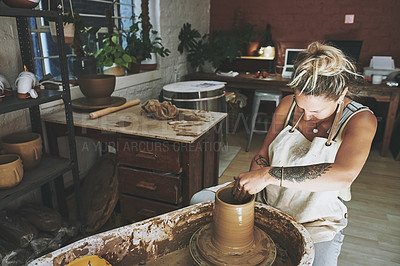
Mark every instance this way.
x=322 y=213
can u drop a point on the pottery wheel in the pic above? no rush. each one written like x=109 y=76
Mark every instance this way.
x=84 y=104
x=204 y=252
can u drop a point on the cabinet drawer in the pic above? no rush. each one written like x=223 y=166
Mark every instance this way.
x=137 y=209
x=150 y=155
x=157 y=186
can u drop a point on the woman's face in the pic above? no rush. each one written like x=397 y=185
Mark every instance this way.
x=315 y=107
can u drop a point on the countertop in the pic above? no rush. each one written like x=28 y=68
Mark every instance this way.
x=132 y=121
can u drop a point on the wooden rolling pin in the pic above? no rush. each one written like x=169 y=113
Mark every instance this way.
x=109 y=110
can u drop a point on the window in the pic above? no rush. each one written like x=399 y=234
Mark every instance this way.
x=93 y=12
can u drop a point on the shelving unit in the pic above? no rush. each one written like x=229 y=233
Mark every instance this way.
x=51 y=168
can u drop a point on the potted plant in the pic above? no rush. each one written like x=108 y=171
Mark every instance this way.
x=83 y=60
x=111 y=57
x=68 y=26
x=194 y=44
x=143 y=43
x=214 y=48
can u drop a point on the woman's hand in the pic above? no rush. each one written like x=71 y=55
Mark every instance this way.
x=250 y=183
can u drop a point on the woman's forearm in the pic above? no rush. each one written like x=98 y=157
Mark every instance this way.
x=318 y=177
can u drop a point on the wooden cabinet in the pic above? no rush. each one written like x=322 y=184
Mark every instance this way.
x=158 y=170
x=154 y=178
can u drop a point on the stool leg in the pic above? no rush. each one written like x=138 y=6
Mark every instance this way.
x=254 y=113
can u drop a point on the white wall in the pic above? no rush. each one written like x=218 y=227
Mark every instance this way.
x=10 y=66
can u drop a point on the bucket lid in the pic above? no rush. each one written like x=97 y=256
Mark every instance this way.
x=194 y=86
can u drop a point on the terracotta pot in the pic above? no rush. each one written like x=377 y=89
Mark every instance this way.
x=149 y=63
x=233 y=222
x=114 y=70
x=97 y=88
x=69 y=30
x=27 y=145
x=11 y=170
x=22 y=3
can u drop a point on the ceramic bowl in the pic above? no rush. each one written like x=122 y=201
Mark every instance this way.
x=22 y=3
x=97 y=88
x=27 y=145
x=11 y=170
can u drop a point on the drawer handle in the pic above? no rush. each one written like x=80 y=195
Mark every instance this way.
x=146 y=155
x=146 y=185
x=147 y=213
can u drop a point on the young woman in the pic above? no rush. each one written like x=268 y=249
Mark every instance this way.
x=316 y=146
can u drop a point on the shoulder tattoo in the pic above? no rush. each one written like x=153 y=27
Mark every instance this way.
x=261 y=161
x=300 y=173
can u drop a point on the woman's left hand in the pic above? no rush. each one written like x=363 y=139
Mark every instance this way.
x=250 y=183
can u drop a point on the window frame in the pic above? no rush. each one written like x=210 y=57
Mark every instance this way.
x=42 y=58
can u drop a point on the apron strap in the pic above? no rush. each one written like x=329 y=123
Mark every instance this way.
x=335 y=123
x=297 y=122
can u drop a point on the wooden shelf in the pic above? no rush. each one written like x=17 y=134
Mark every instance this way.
x=12 y=103
x=48 y=169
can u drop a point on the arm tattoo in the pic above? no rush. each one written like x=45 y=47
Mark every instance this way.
x=261 y=161
x=300 y=173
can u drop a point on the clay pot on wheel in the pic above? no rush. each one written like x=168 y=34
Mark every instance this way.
x=11 y=170
x=27 y=145
x=97 y=88
x=233 y=222
x=22 y=3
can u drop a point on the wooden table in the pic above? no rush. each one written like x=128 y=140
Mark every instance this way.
x=158 y=170
x=381 y=93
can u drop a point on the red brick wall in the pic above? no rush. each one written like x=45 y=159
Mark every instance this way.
x=377 y=22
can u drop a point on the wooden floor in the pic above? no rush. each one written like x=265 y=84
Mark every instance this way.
x=372 y=237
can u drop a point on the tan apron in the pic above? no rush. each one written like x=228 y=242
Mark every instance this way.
x=322 y=213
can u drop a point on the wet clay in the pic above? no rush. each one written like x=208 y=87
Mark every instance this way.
x=232 y=238
x=182 y=257
x=167 y=236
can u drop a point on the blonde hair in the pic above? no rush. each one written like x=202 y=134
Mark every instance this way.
x=323 y=70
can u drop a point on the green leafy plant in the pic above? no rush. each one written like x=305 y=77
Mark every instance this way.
x=113 y=53
x=216 y=47
x=140 y=44
x=195 y=44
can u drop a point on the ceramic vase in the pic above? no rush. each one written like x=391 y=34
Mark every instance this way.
x=27 y=145
x=233 y=222
x=11 y=170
